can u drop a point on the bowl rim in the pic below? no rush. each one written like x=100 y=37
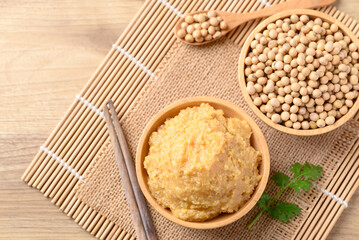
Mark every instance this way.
x=182 y=104
x=242 y=81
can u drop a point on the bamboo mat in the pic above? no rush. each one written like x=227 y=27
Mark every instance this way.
x=67 y=154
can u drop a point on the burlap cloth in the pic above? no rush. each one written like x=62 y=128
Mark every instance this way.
x=210 y=70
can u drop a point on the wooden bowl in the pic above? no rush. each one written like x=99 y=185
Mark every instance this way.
x=230 y=110
x=242 y=81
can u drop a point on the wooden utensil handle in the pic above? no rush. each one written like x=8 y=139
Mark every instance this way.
x=131 y=199
x=237 y=19
x=140 y=199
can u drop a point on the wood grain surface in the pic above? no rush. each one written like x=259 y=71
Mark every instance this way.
x=49 y=49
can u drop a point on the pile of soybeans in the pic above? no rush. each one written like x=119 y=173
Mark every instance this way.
x=302 y=73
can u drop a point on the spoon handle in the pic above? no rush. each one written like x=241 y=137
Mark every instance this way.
x=234 y=20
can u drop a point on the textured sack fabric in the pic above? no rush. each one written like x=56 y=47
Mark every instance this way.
x=211 y=70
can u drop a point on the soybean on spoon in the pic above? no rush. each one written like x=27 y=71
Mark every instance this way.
x=233 y=20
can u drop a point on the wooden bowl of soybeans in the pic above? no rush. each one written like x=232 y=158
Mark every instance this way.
x=298 y=71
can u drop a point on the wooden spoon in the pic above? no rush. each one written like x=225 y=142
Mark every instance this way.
x=233 y=20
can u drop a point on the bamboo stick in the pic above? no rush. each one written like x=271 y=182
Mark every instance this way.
x=75 y=210
x=356 y=32
x=113 y=232
x=118 y=234
x=127 y=237
x=233 y=6
x=71 y=206
x=90 y=223
x=89 y=220
x=80 y=212
x=96 y=224
x=75 y=204
x=124 y=235
x=105 y=229
x=223 y=5
x=65 y=190
x=85 y=213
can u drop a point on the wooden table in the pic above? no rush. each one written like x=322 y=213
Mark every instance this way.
x=49 y=49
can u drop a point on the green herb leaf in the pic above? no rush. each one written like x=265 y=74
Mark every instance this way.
x=308 y=171
x=284 y=211
x=311 y=172
x=280 y=179
x=263 y=201
x=301 y=181
x=296 y=169
x=301 y=184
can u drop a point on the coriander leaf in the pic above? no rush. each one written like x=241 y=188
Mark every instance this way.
x=280 y=179
x=263 y=201
x=311 y=172
x=304 y=174
x=283 y=211
x=296 y=169
x=301 y=184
